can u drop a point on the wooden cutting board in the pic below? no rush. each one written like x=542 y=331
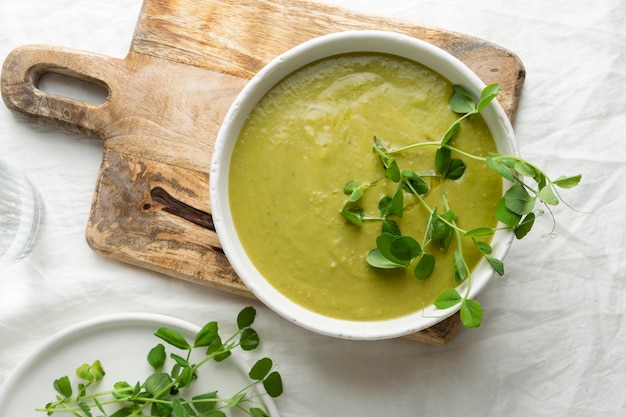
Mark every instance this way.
x=187 y=61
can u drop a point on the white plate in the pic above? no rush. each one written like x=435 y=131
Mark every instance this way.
x=121 y=342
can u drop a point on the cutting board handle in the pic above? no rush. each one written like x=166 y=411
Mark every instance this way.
x=25 y=66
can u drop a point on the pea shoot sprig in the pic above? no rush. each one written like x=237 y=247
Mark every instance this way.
x=162 y=394
x=528 y=187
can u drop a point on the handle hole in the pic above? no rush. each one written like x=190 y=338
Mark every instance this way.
x=74 y=88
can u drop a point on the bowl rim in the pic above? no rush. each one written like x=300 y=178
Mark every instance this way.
x=376 y=41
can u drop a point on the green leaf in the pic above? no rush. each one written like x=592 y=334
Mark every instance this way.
x=178 y=408
x=95 y=372
x=257 y=412
x=217 y=346
x=397 y=201
x=483 y=247
x=506 y=216
x=451 y=132
x=205 y=402
x=122 y=412
x=400 y=250
x=156 y=383
x=246 y=317
x=161 y=410
x=487 y=95
x=500 y=169
x=157 y=356
x=249 y=339
x=85 y=409
x=100 y=407
x=458 y=267
x=471 y=313
x=206 y=335
x=448 y=167
x=567 y=182
x=377 y=260
x=63 y=386
x=496 y=264
x=461 y=102
x=261 y=369
x=354 y=215
x=525 y=225
x=273 y=384
x=518 y=200
x=525 y=169
x=391 y=227
x=405 y=248
x=547 y=196
x=235 y=400
x=425 y=267
x=350 y=187
x=442 y=160
x=456 y=169
x=122 y=390
x=393 y=171
x=384 y=206
x=416 y=182
x=480 y=231
x=173 y=338
x=438 y=230
x=447 y=299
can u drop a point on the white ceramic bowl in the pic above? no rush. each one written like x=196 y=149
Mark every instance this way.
x=301 y=55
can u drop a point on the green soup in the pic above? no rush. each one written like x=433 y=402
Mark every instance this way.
x=313 y=133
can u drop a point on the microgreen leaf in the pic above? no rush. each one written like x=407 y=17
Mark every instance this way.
x=156 y=383
x=471 y=313
x=85 y=408
x=257 y=412
x=206 y=335
x=525 y=225
x=384 y=206
x=447 y=299
x=484 y=247
x=273 y=385
x=506 y=216
x=391 y=227
x=400 y=250
x=397 y=201
x=425 y=267
x=246 y=317
x=501 y=169
x=525 y=169
x=173 y=338
x=547 y=196
x=567 y=182
x=488 y=93
x=450 y=133
x=518 y=200
x=415 y=181
x=63 y=386
x=350 y=187
x=496 y=264
x=261 y=369
x=461 y=102
x=205 y=402
x=249 y=339
x=458 y=267
x=393 y=171
x=354 y=215
x=157 y=356
x=377 y=260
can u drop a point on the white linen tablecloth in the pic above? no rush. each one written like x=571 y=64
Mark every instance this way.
x=553 y=340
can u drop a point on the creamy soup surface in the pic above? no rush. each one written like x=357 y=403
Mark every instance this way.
x=311 y=135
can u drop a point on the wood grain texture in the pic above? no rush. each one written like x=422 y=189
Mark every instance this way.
x=167 y=98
